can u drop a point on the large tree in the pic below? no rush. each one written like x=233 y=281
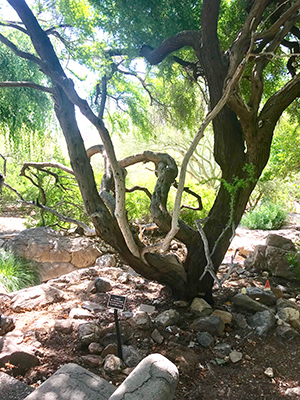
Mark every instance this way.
x=236 y=67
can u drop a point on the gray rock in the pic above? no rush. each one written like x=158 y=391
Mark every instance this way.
x=155 y=378
x=102 y=285
x=112 y=364
x=266 y=297
x=35 y=297
x=63 y=326
x=80 y=313
x=212 y=324
x=200 y=307
x=223 y=349
x=295 y=391
x=185 y=358
x=106 y=261
x=280 y=242
x=157 y=337
x=225 y=316
x=283 y=303
x=245 y=302
x=73 y=382
x=291 y=316
x=235 y=356
x=286 y=333
x=111 y=348
x=256 y=259
x=167 y=318
x=278 y=264
x=54 y=253
x=95 y=348
x=262 y=322
x=88 y=333
x=93 y=307
x=240 y=321
x=16 y=354
x=142 y=321
x=12 y=389
x=7 y=324
x=131 y=356
x=205 y=339
x=92 y=360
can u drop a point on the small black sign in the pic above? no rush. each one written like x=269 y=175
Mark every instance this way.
x=116 y=302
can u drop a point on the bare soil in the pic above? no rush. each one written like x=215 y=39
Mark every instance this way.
x=205 y=379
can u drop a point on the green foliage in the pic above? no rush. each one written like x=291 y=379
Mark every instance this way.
x=137 y=206
x=17 y=273
x=293 y=259
x=268 y=216
x=60 y=192
x=208 y=196
x=238 y=184
x=25 y=113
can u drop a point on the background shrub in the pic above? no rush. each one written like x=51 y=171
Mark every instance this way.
x=268 y=216
x=17 y=273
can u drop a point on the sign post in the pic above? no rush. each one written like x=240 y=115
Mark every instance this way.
x=117 y=303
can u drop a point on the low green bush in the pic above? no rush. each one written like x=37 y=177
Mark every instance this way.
x=268 y=216
x=17 y=273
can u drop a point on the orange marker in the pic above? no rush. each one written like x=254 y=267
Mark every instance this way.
x=267 y=285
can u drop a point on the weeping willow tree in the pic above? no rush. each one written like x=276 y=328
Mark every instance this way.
x=243 y=54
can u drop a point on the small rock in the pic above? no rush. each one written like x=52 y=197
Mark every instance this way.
x=102 y=285
x=284 y=303
x=290 y=315
x=223 y=349
x=113 y=364
x=185 y=358
x=142 y=321
x=266 y=297
x=91 y=288
x=7 y=324
x=95 y=348
x=107 y=260
x=88 y=333
x=93 y=307
x=225 y=316
x=200 y=307
x=92 y=360
x=80 y=313
x=240 y=321
x=157 y=337
x=286 y=332
x=212 y=324
x=63 y=326
x=235 y=356
x=131 y=356
x=18 y=355
x=262 y=322
x=111 y=348
x=36 y=297
x=181 y=303
x=295 y=391
x=205 y=339
x=167 y=318
x=244 y=301
x=269 y=372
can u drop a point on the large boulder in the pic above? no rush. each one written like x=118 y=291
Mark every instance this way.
x=274 y=257
x=72 y=382
x=54 y=253
x=155 y=378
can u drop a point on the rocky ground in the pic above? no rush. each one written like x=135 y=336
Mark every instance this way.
x=62 y=321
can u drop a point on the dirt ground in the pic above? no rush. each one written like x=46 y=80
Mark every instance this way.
x=207 y=380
